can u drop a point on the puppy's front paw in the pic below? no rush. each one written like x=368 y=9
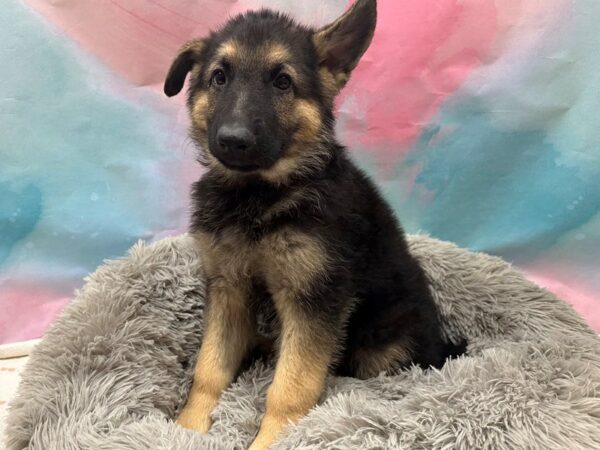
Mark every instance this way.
x=194 y=420
x=270 y=430
x=260 y=444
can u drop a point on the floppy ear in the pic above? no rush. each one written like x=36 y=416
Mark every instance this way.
x=341 y=43
x=188 y=55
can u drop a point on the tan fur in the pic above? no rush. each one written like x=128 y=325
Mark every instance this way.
x=307 y=115
x=290 y=261
x=370 y=362
x=302 y=158
x=228 y=326
x=195 y=45
x=228 y=333
x=303 y=153
x=287 y=259
x=299 y=382
x=322 y=38
x=295 y=260
x=199 y=110
x=276 y=53
x=300 y=375
x=304 y=114
x=332 y=83
x=301 y=371
x=202 y=108
x=228 y=50
x=230 y=257
x=195 y=73
x=238 y=53
x=281 y=170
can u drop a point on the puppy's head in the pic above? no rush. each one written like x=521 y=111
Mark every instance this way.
x=262 y=88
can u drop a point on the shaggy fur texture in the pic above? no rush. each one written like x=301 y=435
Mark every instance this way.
x=114 y=369
x=284 y=217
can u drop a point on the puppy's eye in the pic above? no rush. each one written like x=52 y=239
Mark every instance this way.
x=219 y=77
x=282 y=82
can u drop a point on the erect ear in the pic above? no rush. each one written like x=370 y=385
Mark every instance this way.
x=341 y=43
x=188 y=55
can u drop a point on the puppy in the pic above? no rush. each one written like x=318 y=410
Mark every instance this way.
x=286 y=221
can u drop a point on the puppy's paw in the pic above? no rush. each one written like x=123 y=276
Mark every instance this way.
x=194 y=420
x=259 y=444
x=270 y=430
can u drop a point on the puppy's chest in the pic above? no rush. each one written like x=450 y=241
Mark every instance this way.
x=285 y=259
x=256 y=210
x=257 y=232
x=231 y=253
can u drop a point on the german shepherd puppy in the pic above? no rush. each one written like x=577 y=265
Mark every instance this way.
x=284 y=218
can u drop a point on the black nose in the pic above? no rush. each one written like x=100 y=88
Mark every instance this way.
x=235 y=137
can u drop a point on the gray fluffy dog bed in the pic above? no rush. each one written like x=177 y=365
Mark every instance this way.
x=115 y=368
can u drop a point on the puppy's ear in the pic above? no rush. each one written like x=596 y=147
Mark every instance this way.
x=341 y=43
x=188 y=55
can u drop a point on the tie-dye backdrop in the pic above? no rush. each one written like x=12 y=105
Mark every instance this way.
x=478 y=118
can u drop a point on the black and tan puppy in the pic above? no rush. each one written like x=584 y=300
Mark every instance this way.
x=284 y=217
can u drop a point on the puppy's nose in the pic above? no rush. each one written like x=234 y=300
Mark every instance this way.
x=235 y=137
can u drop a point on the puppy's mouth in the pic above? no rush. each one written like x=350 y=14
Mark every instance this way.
x=246 y=162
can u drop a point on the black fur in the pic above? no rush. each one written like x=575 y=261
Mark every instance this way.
x=374 y=265
x=372 y=277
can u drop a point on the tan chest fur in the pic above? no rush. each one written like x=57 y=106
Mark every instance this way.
x=286 y=260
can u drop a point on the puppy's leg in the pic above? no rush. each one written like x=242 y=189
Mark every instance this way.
x=228 y=328
x=367 y=362
x=305 y=354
